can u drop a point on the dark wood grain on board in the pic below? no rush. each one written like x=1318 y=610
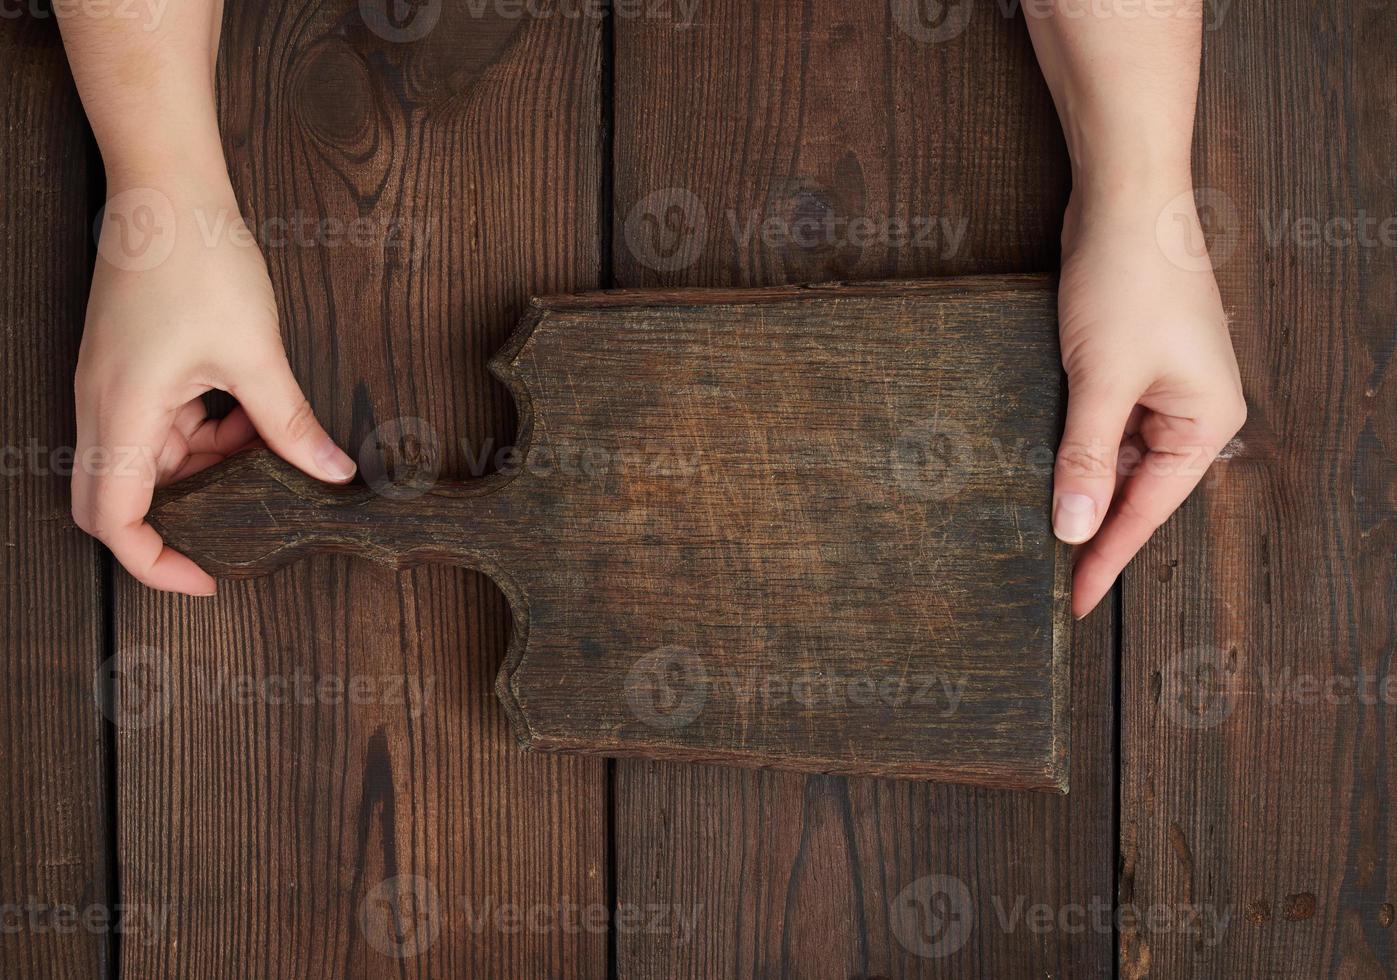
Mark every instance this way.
x=738 y=139
x=330 y=788
x=1258 y=696
x=53 y=866
x=718 y=487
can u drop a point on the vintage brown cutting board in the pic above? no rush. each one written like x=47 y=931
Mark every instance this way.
x=803 y=527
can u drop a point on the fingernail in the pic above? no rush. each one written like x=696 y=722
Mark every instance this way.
x=1072 y=517
x=333 y=460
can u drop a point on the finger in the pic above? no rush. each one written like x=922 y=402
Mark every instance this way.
x=1084 y=476
x=1129 y=458
x=170 y=456
x=225 y=436
x=284 y=418
x=1163 y=481
x=189 y=417
x=113 y=481
x=1133 y=420
x=193 y=463
x=170 y=459
x=213 y=441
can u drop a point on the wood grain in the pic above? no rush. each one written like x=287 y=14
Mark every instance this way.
x=793 y=528
x=53 y=865
x=331 y=789
x=1257 y=785
x=832 y=112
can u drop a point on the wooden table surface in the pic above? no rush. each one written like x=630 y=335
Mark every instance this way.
x=413 y=180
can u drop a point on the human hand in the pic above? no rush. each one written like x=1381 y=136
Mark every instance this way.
x=180 y=304
x=1153 y=388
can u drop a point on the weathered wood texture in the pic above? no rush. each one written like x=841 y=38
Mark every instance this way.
x=738 y=141
x=330 y=788
x=786 y=528
x=1259 y=704
x=53 y=868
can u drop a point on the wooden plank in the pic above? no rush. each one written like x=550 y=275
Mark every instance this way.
x=755 y=117
x=1259 y=702
x=56 y=918
x=728 y=485
x=412 y=182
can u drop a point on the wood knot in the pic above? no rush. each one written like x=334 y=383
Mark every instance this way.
x=1298 y=907
x=1258 y=910
x=335 y=97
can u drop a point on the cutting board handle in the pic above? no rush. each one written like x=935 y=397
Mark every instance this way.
x=255 y=513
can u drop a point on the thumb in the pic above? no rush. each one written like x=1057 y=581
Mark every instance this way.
x=1084 y=477
x=287 y=423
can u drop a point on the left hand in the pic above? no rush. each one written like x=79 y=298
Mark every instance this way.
x=1153 y=388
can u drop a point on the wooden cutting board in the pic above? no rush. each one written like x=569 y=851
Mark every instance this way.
x=805 y=528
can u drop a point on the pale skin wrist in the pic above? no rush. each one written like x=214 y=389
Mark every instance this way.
x=1129 y=183
x=1124 y=201
x=1123 y=164
x=184 y=166
x=1111 y=139
x=181 y=302
x=1153 y=387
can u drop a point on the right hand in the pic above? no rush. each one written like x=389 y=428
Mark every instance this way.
x=159 y=334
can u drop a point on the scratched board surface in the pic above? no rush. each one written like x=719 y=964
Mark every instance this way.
x=814 y=510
